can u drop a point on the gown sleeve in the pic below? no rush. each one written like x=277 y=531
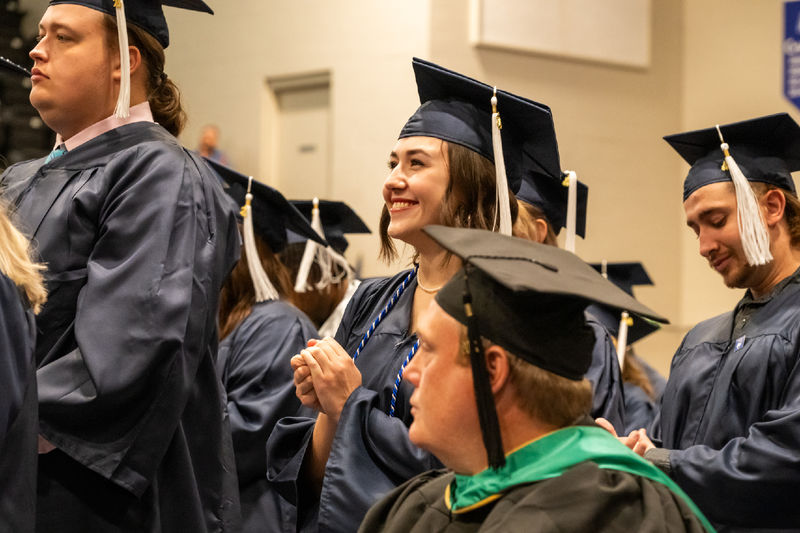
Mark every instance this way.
x=608 y=400
x=757 y=475
x=15 y=354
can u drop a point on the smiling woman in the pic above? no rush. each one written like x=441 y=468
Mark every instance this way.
x=441 y=171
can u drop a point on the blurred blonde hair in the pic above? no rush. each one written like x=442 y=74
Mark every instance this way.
x=16 y=263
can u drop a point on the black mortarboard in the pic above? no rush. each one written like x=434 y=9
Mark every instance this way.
x=550 y=195
x=767 y=149
x=457 y=109
x=624 y=276
x=337 y=219
x=6 y=65
x=528 y=298
x=273 y=214
x=147 y=14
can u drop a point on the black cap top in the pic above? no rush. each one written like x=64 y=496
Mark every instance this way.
x=6 y=65
x=456 y=108
x=767 y=149
x=624 y=276
x=272 y=213
x=337 y=219
x=147 y=14
x=529 y=298
x=551 y=196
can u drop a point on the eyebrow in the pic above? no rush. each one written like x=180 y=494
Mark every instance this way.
x=56 y=26
x=706 y=214
x=410 y=153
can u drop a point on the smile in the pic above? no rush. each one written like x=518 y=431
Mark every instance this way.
x=402 y=204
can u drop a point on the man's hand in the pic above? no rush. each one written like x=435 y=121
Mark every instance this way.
x=637 y=440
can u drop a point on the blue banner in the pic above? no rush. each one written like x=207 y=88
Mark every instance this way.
x=791 y=52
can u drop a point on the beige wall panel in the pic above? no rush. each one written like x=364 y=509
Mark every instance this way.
x=222 y=62
x=609 y=122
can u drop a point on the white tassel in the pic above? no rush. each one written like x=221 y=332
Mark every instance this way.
x=326 y=257
x=124 y=100
x=622 y=339
x=752 y=229
x=263 y=286
x=572 y=209
x=604 y=269
x=503 y=209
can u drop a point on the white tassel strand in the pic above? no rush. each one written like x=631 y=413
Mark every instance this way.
x=261 y=283
x=503 y=209
x=122 y=109
x=622 y=338
x=326 y=257
x=571 y=181
x=752 y=229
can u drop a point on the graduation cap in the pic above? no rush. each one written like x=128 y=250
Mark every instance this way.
x=552 y=197
x=6 y=65
x=627 y=329
x=337 y=219
x=265 y=213
x=461 y=110
x=766 y=150
x=333 y=267
x=528 y=298
x=148 y=15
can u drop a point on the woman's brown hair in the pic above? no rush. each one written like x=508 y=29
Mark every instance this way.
x=469 y=201
x=162 y=94
x=238 y=295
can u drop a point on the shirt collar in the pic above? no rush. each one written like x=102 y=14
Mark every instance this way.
x=138 y=113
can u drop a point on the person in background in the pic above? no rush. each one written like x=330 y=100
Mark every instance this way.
x=484 y=403
x=643 y=385
x=137 y=237
x=728 y=431
x=324 y=282
x=208 y=146
x=260 y=332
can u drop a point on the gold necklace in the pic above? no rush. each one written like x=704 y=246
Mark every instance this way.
x=426 y=289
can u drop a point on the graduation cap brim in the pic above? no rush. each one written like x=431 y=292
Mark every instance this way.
x=641 y=328
x=524 y=266
x=777 y=135
x=6 y=65
x=625 y=275
x=147 y=14
x=529 y=140
x=273 y=213
x=333 y=214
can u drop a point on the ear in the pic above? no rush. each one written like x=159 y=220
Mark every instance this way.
x=136 y=58
x=136 y=62
x=498 y=366
x=541 y=229
x=773 y=205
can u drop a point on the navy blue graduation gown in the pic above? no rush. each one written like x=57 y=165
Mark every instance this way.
x=640 y=409
x=608 y=399
x=730 y=414
x=18 y=412
x=137 y=238
x=371 y=453
x=254 y=366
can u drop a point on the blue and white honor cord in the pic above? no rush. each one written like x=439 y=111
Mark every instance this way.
x=378 y=319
